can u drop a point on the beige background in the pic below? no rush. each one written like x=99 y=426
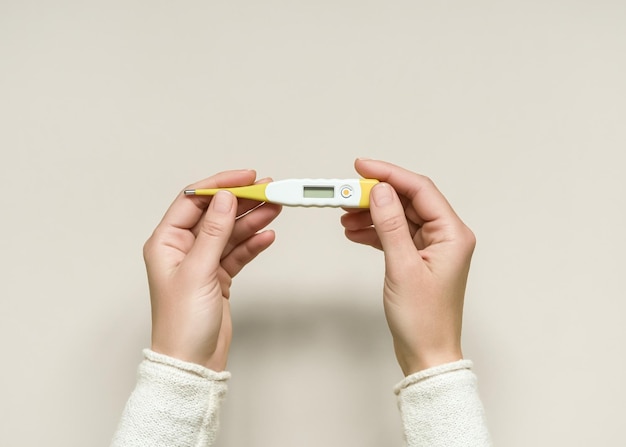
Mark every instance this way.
x=516 y=109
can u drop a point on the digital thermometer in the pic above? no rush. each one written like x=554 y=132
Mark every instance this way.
x=348 y=193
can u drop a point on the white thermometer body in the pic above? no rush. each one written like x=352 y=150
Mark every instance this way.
x=317 y=192
x=346 y=193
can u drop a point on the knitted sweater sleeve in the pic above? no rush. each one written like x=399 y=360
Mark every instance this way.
x=174 y=404
x=440 y=407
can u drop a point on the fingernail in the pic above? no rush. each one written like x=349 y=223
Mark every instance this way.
x=382 y=194
x=222 y=202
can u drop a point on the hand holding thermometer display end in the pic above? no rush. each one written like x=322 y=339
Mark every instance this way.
x=344 y=193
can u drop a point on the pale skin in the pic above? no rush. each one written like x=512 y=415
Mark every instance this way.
x=201 y=244
x=427 y=250
x=191 y=258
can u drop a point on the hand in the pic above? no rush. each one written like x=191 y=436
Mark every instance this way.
x=191 y=258
x=427 y=252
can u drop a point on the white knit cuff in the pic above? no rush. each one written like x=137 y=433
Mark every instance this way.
x=174 y=404
x=431 y=372
x=182 y=365
x=440 y=407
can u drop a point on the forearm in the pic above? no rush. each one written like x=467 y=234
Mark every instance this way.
x=174 y=404
x=440 y=406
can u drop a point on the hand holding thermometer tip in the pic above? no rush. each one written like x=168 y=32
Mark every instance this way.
x=345 y=193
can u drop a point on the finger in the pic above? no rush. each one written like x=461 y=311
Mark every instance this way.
x=428 y=202
x=249 y=224
x=366 y=236
x=244 y=206
x=392 y=227
x=217 y=226
x=225 y=281
x=356 y=221
x=363 y=220
x=245 y=252
x=186 y=211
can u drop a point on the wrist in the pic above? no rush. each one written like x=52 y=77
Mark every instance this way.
x=213 y=359
x=410 y=364
x=184 y=366
x=429 y=373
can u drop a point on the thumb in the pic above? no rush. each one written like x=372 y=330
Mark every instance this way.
x=392 y=228
x=215 y=230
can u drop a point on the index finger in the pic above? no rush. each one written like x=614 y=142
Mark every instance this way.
x=186 y=211
x=428 y=202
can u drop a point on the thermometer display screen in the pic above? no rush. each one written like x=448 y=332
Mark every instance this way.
x=319 y=192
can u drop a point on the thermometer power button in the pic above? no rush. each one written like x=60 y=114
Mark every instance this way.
x=346 y=191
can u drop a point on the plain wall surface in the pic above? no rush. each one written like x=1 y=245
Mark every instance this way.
x=517 y=111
